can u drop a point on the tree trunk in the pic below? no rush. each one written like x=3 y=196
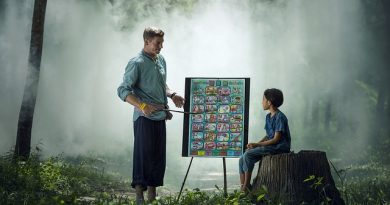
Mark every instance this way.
x=296 y=178
x=23 y=137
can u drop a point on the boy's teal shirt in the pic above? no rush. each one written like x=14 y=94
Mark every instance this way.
x=145 y=78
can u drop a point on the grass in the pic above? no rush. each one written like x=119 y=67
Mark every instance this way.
x=60 y=180
x=53 y=181
x=365 y=184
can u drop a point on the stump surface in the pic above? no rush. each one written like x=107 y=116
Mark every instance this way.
x=296 y=177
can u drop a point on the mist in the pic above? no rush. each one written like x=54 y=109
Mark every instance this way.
x=314 y=51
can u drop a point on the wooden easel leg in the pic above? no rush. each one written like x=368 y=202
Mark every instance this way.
x=224 y=177
x=185 y=178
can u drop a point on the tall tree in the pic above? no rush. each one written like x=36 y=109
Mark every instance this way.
x=23 y=138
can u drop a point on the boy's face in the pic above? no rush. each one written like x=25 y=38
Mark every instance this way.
x=266 y=103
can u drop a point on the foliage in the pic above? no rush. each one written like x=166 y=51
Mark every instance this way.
x=367 y=191
x=131 y=12
x=316 y=183
x=365 y=184
x=60 y=180
x=198 y=197
x=51 y=181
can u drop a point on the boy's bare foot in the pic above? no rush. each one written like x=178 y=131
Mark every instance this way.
x=246 y=188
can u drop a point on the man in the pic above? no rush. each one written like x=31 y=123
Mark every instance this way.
x=144 y=86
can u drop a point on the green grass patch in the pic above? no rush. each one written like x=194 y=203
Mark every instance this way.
x=53 y=181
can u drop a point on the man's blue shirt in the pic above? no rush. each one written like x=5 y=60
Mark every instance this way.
x=278 y=123
x=145 y=78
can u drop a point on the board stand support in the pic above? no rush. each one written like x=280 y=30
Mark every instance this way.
x=224 y=179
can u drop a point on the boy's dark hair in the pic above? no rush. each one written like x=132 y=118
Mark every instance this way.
x=275 y=96
x=151 y=32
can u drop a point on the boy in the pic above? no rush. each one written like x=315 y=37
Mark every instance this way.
x=277 y=140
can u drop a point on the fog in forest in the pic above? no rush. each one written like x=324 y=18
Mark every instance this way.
x=321 y=54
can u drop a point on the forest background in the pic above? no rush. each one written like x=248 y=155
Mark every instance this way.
x=329 y=57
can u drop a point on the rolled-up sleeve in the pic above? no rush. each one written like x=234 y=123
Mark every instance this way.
x=129 y=80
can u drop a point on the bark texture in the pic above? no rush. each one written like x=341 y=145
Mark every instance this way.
x=294 y=178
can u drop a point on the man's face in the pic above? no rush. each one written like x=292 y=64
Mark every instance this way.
x=154 y=45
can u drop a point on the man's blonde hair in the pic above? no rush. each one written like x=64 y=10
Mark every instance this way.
x=151 y=32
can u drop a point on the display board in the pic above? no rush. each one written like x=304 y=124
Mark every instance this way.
x=217 y=125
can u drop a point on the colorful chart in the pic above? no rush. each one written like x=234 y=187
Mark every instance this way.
x=219 y=126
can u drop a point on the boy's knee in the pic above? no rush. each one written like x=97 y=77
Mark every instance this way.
x=250 y=154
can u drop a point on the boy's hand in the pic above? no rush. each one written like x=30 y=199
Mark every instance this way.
x=252 y=145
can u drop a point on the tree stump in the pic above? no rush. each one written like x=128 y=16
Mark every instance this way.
x=296 y=178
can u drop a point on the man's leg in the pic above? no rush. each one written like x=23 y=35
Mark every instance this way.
x=139 y=195
x=151 y=194
x=139 y=161
x=158 y=159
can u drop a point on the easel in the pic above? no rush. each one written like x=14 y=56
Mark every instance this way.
x=224 y=178
x=241 y=85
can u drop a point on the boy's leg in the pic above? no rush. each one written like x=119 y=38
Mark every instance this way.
x=245 y=174
x=241 y=171
x=151 y=194
x=242 y=180
x=249 y=159
x=247 y=181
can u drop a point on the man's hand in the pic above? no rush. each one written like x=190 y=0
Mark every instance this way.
x=147 y=109
x=178 y=100
x=169 y=115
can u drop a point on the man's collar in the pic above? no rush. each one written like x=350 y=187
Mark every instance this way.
x=147 y=55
